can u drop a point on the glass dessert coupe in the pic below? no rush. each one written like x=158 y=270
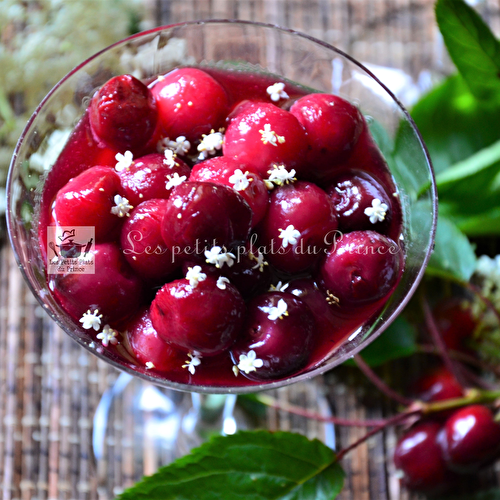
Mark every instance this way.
x=234 y=47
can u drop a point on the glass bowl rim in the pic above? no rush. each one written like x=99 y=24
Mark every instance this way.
x=302 y=376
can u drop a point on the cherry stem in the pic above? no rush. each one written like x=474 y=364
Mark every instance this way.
x=379 y=383
x=438 y=340
x=297 y=410
x=395 y=420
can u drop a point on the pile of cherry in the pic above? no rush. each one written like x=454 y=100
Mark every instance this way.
x=439 y=453
x=217 y=195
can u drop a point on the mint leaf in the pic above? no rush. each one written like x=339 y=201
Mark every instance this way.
x=469 y=192
x=251 y=465
x=453 y=255
x=472 y=47
x=454 y=124
x=398 y=341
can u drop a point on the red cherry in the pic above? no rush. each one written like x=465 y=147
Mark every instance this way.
x=261 y=135
x=303 y=211
x=190 y=103
x=143 y=245
x=146 y=346
x=419 y=458
x=455 y=321
x=148 y=177
x=123 y=113
x=88 y=200
x=470 y=439
x=333 y=127
x=221 y=170
x=279 y=330
x=361 y=268
x=202 y=318
x=114 y=289
x=438 y=385
x=358 y=200
x=201 y=215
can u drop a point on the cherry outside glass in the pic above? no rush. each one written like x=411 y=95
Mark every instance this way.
x=235 y=45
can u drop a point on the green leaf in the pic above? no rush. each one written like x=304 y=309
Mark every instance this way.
x=399 y=340
x=472 y=47
x=251 y=465
x=454 y=124
x=470 y=191
x=453 y=255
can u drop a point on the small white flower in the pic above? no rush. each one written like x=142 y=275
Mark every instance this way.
x=91 y=320
x=169 y=159
x=174 y=180
x=276 y=312
x=279 y=287
x=210 y=144
x=277 y=91
x=149 y=365
x=180 y=146
x=194 y=276
x=290 y=235
x=377 y=211
x=123 y=161
x=108 y=336
x=222 y=282
x=240 y=180
x=259 y=258
x=270 y=136
x=279 y=175
x=191 y=363
x=218 y=256
x=122 y=206
x=249 y=362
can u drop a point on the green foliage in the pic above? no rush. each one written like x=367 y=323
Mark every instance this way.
x=254 y=465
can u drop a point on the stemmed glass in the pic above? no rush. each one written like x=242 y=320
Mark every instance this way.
x=235 y=46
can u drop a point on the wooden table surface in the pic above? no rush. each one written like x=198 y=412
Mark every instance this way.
x=50 y=387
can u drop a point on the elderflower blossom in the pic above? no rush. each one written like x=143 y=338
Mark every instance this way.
x=276 y=312
x=248 y=362
x=279 y=175
x=259 y=259
x=108 y=336
x=124 y=161
x=377 y=212
x=194 y=276
x=222 y=281
x=218 y=256
x=174 y=180
x=122 y=206
x=91 y=320
x=210 y=144
x=240 y=180
x=270 y=136
x=290 y=235
x=193 y=361
x=277 y=91
x=179 y=147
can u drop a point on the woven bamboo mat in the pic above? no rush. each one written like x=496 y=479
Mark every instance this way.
x=50 y=387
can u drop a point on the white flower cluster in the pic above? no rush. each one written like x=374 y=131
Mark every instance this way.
x=487 y=274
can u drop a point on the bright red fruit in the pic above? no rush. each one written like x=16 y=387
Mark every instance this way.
x=123 y=113
x=261 y=135
x=279 y=330
x=190 y=103
x=88 y=200
x=201 y=215
x=471 y=438
x=361 y=268
x=151 y=176
x=200 y=318
x=333 y=127
x=230 y=172
x=142 y=243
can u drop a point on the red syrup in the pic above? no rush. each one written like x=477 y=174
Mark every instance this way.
x=327 y=323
